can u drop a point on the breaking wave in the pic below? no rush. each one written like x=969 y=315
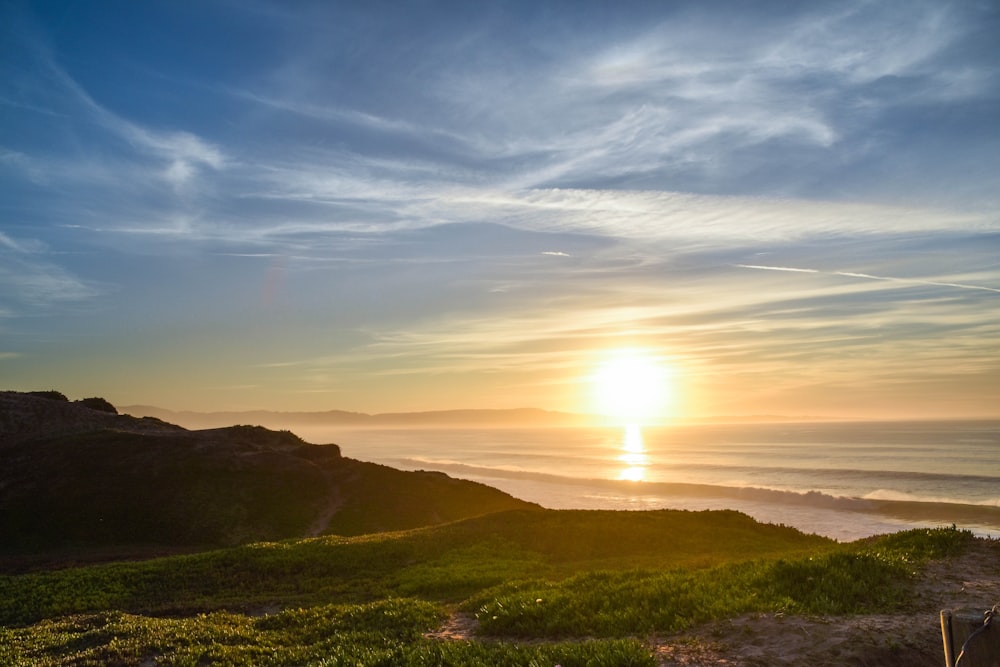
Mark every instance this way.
x=902 y=506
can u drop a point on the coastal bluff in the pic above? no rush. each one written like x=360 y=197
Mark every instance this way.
x=79 y=476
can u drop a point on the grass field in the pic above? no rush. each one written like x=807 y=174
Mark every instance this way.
x=547 y=587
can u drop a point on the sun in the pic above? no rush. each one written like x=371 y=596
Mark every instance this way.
x=631 y=385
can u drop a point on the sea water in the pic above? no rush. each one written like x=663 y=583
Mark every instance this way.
x=842 y=480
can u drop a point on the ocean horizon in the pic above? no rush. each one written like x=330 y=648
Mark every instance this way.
x=845 y=480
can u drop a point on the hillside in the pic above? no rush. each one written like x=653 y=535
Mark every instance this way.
x=529 y=587
x=76 y=477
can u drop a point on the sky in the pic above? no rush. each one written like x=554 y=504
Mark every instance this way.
x=786 y=208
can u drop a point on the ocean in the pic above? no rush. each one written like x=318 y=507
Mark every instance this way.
x=841 y=480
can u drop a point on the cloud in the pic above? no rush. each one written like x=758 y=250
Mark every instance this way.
x=685 y=101
x=20 y=247
x=698 y=218
x=180 y=154
x=30 y=282
x=868 y=276
x=912 y=281
x=25 y=165
x=347 y=116
x=184 y=153
x=776 y=268
x=655 y=125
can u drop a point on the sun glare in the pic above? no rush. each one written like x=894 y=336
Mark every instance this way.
x=631 y=385
x=633 y=454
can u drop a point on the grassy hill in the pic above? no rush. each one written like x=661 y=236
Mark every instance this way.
x=537 y=586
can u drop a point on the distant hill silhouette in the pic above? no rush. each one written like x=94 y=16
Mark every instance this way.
x=77 y=475
x=516 y=417
x=342 y=418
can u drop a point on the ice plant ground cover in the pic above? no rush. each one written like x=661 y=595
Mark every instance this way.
x=546 y=587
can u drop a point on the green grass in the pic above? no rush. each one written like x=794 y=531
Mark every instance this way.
x=445 y=563
x=620 y=603
x=533 y=574
x=360 y=634
x=386 y=633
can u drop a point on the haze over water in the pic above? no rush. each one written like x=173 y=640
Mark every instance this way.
x=843 y=480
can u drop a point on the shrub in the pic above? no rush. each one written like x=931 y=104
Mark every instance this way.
x=52 y=395
x=931 y=543
x=97 y=403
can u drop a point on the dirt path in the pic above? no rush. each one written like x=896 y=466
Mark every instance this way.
x=912 y=639
x=335 y=500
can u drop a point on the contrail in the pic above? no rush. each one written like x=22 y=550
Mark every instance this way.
x=776 y=268
x=869 y=276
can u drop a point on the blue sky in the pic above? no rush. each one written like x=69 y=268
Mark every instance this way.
x=795 y=207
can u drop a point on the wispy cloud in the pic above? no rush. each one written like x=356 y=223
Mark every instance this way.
x=180 y=154
x=24 y=164
x=913 y=281
x=868 y=276
x=183 y=152
x=30 y=279
x=684 y=97
x=776 y=268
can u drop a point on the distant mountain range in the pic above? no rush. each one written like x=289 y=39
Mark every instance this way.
x=76 y=475
x=518 y=417
x=275 y=419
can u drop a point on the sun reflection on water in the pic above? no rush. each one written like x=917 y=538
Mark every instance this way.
x=633 y=454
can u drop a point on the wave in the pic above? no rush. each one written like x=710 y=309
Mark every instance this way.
x=903 y=496
x=843 y=473
x=883 y=502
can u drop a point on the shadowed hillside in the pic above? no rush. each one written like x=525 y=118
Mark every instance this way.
x=77 y=475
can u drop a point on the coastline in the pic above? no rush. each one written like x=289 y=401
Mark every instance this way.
x=854 y=518
x=845 y=481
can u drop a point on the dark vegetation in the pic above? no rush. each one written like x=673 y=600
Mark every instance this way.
x=401 y=553
x=94 y=403
x=78 y=476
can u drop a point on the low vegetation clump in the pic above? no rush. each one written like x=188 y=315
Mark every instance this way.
x=617 y=603
x=388 y=632
x=586 y=588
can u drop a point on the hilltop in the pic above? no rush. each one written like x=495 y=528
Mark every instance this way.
x=77 y=475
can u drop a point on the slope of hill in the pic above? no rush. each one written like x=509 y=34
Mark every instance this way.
x=77 y=477
x=532 y=587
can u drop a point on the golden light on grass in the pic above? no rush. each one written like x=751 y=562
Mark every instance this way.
x=632 y=385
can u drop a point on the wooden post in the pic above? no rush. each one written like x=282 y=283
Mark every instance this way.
x=982 y=651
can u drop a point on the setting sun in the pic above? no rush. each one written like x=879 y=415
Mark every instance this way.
x=631 y=384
